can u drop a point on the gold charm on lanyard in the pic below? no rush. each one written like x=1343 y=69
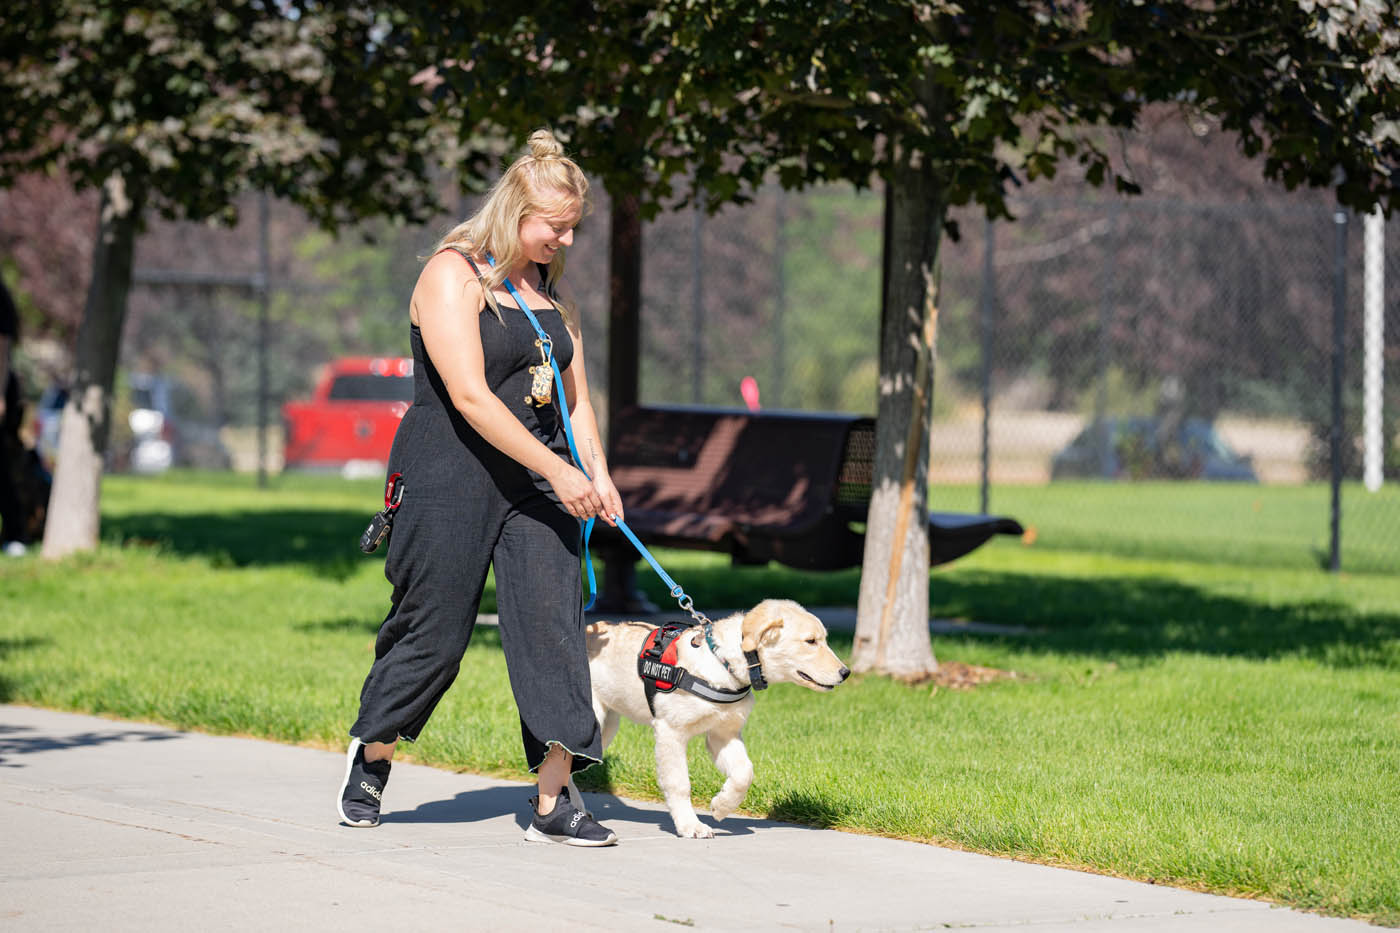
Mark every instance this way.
x=542 y=386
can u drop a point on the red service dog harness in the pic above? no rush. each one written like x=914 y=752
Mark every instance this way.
x=656 y=665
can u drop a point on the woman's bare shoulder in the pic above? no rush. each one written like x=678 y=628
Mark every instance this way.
x=446 y=280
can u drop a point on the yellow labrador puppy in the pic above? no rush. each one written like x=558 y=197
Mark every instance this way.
x=790 y=646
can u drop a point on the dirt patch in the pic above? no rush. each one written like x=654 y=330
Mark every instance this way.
x=955 y=675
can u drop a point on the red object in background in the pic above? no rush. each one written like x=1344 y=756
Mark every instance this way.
x=350 y=420
x=748 y=388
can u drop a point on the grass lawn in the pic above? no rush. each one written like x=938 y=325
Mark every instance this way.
x=1197 y=723
x=1237 y=523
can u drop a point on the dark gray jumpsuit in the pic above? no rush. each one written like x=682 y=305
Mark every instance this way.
x=467 y=506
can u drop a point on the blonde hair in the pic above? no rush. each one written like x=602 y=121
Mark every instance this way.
x=541 y=181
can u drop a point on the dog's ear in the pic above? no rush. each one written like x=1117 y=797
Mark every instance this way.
x=761 y=624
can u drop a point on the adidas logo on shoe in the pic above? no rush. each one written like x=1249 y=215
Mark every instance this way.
x=361 y=797
x=567 y=825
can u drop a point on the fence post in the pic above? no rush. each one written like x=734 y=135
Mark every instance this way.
x=1339 y=307
x=697 y=302
x=988 y=308
x=1104 y=436
x=780 y=298
x=264 y=288
x=1374 y=350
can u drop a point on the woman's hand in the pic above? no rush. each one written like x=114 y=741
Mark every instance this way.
x=576 y=492
x=612 y=502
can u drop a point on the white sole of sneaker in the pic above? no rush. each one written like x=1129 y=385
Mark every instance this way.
x=534 y=835
x=340 y=798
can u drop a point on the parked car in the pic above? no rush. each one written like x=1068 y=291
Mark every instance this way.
x=164 y=430
x=1133 y=448
x=349 y=422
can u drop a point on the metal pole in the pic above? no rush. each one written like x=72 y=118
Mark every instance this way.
x=1339 y=306
x=1374 y=350
x=264 y=274
x=697 y=303
x=988 y=309
x=780 y=297
x=1105 y=435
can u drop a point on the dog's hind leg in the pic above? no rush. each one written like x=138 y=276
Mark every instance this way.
x=610 y=720
x=732 y=759
x=673 y=774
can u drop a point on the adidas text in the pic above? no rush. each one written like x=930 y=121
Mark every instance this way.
x=373 y=791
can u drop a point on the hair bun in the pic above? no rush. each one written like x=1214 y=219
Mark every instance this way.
x=543 y=145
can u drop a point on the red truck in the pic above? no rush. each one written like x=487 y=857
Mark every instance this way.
x=349 y=423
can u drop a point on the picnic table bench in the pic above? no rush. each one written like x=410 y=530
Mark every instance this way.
x=792 y=487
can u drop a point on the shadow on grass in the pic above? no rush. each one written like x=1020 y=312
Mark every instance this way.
x=807 y=809
x=1148 y=617
x=324 y=540
x=10 y=645
x=1115 y=617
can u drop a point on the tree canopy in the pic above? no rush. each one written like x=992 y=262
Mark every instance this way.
x=196 y=101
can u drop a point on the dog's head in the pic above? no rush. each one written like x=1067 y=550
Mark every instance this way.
x=791 y=643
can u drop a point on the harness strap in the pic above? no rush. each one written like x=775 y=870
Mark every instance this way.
x=657 y=667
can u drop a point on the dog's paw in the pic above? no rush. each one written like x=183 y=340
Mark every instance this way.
x=694 y=830
x=721 y=807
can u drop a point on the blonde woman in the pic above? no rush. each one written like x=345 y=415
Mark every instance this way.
x=488 y=481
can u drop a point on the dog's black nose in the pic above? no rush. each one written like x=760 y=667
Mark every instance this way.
x=845 y=672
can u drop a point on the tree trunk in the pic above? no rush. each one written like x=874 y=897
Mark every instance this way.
x=76 y=497
x=892 y=615
x=620 y=593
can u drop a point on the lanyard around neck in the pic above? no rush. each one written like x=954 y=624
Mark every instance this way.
x=548 y=345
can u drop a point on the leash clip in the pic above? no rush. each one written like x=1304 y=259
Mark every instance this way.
x=688 y=605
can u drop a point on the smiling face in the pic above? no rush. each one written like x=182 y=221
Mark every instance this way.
x=543 y=235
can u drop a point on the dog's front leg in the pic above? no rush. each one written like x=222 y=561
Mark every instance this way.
x=673 y=774
x=732 y=759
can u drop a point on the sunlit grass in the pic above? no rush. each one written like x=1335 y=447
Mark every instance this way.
x=1198 y=723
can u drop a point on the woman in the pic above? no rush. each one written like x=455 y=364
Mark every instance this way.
x=488 y=481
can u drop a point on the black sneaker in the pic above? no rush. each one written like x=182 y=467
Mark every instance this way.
x=363 y=788
x=567 y=825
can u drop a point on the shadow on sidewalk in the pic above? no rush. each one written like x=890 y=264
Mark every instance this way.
x=14 y=744
x=476 y=805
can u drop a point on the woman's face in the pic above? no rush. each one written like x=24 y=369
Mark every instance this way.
x=543 y=235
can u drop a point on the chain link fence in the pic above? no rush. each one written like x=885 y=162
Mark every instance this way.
x=1143 y=377
x=1147 y=377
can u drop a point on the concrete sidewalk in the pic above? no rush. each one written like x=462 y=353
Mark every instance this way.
x=124 y=826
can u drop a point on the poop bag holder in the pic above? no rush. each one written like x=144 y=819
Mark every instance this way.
x=383 y=522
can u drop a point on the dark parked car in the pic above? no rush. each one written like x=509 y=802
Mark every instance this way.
x=1134 y=448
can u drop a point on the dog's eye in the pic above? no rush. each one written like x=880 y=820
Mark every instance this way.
x=811 y=641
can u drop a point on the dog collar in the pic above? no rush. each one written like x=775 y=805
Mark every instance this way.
x=756 y=678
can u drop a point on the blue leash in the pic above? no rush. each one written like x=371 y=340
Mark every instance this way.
x=547 y=345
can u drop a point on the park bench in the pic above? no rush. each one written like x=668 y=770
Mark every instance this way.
x=791 y=487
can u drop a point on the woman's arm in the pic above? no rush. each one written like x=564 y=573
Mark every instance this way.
x=446 y=304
